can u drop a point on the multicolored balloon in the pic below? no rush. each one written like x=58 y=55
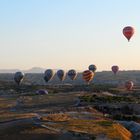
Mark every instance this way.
x=128 y=32
x=129 y=85
x=115 y=69
x=88 y=75
x=72 y=74
x=18 y=77
x=92 y=68
x=61 y=75
x=48 y=75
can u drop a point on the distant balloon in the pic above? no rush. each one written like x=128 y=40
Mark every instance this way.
x=128 y=32
x=115 y=69
x=61 y=75
x=88 y=75
x=72 y=74
x=42 y=91
x=48 y=75
x=92 y=68
x=129 y=85
x=18 y=77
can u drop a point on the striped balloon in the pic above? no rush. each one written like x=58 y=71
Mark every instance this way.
x=88 y=75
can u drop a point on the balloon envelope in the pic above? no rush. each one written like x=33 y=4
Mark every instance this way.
x=61 y=74
x=115 y=69
x=18 y=77
x=48 y=75
x=128 y=32
x=42 y=91
x=72 y=74
x=92 y=68
x=88 y=75
x=129 y=85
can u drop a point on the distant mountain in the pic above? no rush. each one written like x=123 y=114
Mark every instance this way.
x=35 y=70
x=8 y=70
x=32 y=70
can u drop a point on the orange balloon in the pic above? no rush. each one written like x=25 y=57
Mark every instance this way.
x=128 y=32
x=88 y=75
x=129 y=85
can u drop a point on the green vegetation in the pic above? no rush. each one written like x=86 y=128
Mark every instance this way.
x=105 y=123
x=106 y=99
x=126 y=117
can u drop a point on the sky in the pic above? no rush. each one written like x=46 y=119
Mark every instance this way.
x=69 y=34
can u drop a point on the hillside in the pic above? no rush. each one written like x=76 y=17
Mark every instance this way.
x=105 y=77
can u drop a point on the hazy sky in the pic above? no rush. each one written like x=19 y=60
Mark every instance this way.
x=69 y=34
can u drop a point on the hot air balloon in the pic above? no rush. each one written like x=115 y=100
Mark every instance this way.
x=92 y=68
x=115 y=69
x=42 y=91
x=48 y=75
x=72 y=74
x=18 y=77
x=128 y=32
x=129 y=85
x=88 y=75
x=61 y=75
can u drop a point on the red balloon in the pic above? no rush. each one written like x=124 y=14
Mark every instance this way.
x=128 y=32
x=115 y=69
x=129 y=85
